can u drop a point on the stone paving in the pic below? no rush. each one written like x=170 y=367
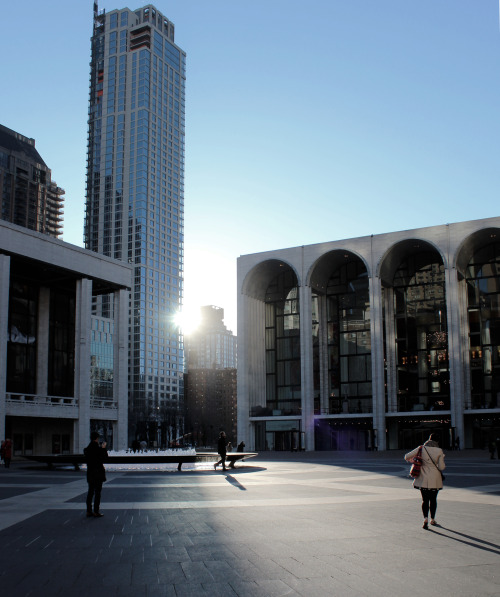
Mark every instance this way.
x=309 y=524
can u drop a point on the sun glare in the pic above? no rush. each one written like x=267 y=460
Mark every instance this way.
x=188 y=319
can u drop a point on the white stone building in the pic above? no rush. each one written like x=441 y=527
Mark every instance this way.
x=46 y=336
x=372 y=342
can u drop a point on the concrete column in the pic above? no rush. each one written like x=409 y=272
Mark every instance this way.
x=82 y=362
x=4 y=335
x=42 y=351
x=390 y=339
x=120 y=367
x=323 y=354
x=464 y=343
x=455 y=307
x=306 y=366
x=377 y=354
x=244 y=375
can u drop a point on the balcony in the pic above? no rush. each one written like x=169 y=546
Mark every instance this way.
x=263 y=411
x=41 y=400
x=35 y=405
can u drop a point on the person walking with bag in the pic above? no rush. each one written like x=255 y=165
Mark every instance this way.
x=430 y=479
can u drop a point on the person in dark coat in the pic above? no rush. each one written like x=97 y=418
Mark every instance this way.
x=222 y=450
x=95 y=455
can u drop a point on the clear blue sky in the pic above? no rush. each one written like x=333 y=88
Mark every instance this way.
x=306 y=121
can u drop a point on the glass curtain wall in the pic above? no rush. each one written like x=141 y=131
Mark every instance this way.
x=21 y=345
x=483 y=286
x=421 y=334
x=283 y=395
x=61 y=376
x=349 y=340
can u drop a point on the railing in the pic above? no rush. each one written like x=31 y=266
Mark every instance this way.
x=423 y=403
x=348 y=410
x=262 y=411
x=100 y=403
x=41 y=400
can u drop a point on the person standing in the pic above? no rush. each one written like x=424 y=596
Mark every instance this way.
x=429 y=481
x=6 y=451
x=222 y=450
x=492 y=448
x=95 y=455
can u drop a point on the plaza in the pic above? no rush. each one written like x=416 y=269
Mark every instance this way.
x=311 y=524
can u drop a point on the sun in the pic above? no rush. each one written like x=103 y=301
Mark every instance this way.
x=188 y=319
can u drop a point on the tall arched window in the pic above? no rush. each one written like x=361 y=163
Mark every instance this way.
x=421 y=333
x=349 y=340
x=483 y=285
x=283 y=395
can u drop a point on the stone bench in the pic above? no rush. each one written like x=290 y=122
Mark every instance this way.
x=53 y=460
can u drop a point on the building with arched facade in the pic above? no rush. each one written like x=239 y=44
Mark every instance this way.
x=372 y=342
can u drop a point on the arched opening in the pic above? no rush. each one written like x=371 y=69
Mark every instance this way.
x=342 y=352
x=421 y=333
x=415 y=344
x=282 y=345
x=276 y=408
x=482 y=276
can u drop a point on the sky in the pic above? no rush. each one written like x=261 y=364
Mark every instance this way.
x=306 y=121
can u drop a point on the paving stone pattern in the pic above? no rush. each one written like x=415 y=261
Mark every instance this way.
x=315 y=524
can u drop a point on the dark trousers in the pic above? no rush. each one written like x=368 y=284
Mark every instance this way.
x=95 y=493
x=222 y=461
x=429 y=502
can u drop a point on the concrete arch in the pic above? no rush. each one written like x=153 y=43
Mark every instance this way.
x=392 y=258
x=259 y=277
x=471 y=244
x=321 y=270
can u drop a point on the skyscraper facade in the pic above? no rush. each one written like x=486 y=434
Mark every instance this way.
x=135 y=193
x=211 y=345
x=28 y=196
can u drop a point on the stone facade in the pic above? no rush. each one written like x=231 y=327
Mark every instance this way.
x=401 y=340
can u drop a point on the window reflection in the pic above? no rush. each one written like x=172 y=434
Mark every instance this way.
x=483 y=292
x=421 y=334
x=283 y=395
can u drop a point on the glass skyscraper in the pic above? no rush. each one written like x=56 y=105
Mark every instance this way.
x=135 y=196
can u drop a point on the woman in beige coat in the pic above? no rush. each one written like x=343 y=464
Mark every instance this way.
x=429 y=481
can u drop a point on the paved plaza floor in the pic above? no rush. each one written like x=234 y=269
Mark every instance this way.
x=308 y=524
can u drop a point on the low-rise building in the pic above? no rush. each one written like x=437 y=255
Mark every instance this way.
x=50 y=397
x=372 y=342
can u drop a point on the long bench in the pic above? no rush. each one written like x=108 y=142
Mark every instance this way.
x=53 y=460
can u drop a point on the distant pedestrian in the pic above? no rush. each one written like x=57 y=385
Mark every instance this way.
x=498 y=447
x=457 y=443
x=143 y=445
x=492 y=448
x=221 y=450
x=95 y=455
x=6 y=452
x=429 y=481
x=241 y=447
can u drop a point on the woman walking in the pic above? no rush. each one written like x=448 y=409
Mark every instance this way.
x=429 y=481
